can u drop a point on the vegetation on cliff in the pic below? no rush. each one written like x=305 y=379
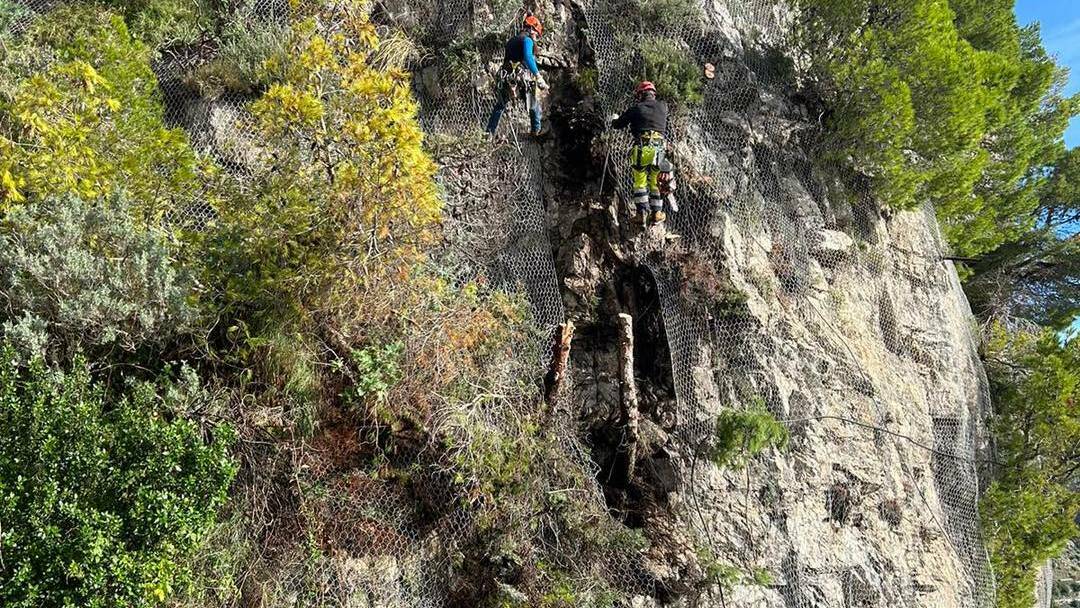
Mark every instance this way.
x=171 y=328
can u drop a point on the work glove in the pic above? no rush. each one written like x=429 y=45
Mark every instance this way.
x=612 y=118
x=541 y=83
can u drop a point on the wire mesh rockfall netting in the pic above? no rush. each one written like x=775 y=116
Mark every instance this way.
x=848 y=294
x=831 y=337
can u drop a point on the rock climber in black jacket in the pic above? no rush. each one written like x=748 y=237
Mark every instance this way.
x=647 y=120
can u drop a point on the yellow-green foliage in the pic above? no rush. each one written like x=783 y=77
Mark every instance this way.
x=80 y=114
x=332 y=240
x=345 y=178
x=741 y=435
x=350 y=130
x=164 y=22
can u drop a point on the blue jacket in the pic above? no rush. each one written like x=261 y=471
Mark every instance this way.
x=520 y=50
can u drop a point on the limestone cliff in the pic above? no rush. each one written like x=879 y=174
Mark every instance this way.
x=841 y=317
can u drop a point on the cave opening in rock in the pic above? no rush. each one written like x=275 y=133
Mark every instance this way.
x=634 y=467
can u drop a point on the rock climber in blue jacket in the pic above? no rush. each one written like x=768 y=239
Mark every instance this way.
x=519 y=71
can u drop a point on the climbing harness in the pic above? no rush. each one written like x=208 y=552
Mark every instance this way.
x=513 y=78
x=514 y=83
x=649 y=151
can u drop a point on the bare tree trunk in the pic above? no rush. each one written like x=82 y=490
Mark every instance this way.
x=559 y=361
x=629 y=390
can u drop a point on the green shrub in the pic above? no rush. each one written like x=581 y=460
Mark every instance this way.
x=673 y=70
x=247 y=42
x=653 y=16
x=717 y=572
x=587 y=80
x=77 y=275
x=563 y=589
x=165 y=22
x=103 y=497
x=762 y=577
x=459 y=62
x=10 y=14
x=377 y=370
x=1025 y=524
x=350 y=175
x=741 y=435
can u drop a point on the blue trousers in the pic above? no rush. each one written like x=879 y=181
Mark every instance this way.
x=502 y=98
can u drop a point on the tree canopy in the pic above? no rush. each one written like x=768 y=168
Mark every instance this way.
x=948 y=103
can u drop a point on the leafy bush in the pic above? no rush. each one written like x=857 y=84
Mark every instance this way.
x=349 y=175
x=561 y=589
x=11 y=13
x=1025 y=525
x=80 y=113
x=715 y=571
x=744 y=434
x=1029 y=512
x=663 y=15
x=672 y=69
x=103 y=497
x=77 y=275
x=165 y=22
x=378 y=369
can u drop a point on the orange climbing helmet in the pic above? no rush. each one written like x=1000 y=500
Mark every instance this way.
x=532 y=22
x=644 y=87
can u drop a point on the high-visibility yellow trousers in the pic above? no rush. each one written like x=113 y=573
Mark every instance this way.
x=644 y=171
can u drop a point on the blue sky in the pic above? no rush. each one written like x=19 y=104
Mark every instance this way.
x=1060 y=21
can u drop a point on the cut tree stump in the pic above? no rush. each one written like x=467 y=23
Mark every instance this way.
x=560 y=360
x=629 y=390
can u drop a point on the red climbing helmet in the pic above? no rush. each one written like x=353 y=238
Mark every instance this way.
x=644 y=87
x=532 y=22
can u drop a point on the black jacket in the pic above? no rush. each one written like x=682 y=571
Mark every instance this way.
x=647 y=115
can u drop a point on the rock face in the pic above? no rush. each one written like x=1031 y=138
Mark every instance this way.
x=1065 y=576
x=842 y=320
x=876 y=372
